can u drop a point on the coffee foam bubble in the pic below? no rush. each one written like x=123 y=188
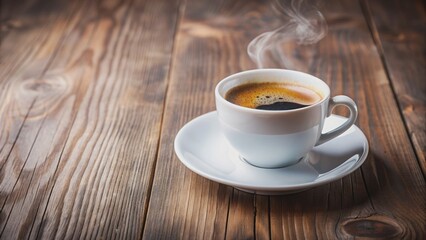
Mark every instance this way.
x=252 y=95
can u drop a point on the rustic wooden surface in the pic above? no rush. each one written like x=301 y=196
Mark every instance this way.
x=92 y=94
x=399 y=30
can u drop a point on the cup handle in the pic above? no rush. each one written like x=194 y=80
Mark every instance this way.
x=349 y=103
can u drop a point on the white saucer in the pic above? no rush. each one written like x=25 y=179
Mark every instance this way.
x=202 y=148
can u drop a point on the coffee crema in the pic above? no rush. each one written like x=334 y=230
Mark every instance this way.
x=272 y=96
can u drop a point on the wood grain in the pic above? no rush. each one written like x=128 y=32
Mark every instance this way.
x=93 y=93
x=368 y=202
x=210 y=44
x=82 y=98
x=399 y=29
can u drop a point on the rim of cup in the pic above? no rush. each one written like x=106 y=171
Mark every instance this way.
x=324 y=91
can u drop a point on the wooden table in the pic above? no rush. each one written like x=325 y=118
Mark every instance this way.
x=93 y=93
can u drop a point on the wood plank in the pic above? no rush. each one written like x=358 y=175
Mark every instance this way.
x=210 y=44
x=82 y=118
x=399 y=28
x=21 y=117
x=241 y=220
x=262 y=217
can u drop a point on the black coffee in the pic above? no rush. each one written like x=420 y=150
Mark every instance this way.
x=272 y=96
x=281 y=106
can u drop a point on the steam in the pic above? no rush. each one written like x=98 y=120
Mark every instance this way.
x=305 y=26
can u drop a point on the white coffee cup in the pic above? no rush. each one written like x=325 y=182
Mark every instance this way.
x=272 y=139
